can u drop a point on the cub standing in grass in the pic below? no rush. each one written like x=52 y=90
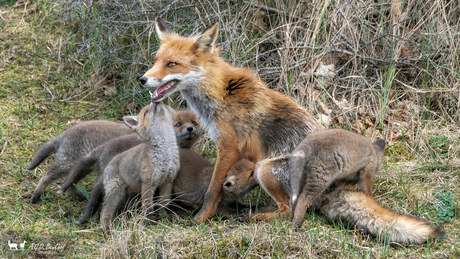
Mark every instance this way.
x=329 y=156
x=143 y=168
x=240 y=113
x=70 y=146
x=185 y=124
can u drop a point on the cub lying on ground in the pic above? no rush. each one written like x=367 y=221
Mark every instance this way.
x=70 y=146
x=186 y=127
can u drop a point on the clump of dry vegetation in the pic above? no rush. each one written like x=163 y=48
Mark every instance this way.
x=385 y=69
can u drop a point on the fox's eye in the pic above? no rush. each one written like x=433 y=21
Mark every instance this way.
x=194 y=123
x=171 y=64
x=178 y=124
x=145 y=113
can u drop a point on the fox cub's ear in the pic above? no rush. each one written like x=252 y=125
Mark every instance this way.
x=131 y=121
x=205 y=42
x=379 y=145
x=162 y=29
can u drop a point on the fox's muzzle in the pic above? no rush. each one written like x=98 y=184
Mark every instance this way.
x=143 y=80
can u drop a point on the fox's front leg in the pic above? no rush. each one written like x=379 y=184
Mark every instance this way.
x=165 y=197
x=272 y=186
x=147 y=191
x=227 y=155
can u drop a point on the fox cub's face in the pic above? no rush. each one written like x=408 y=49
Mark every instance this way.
x=187 y=128
x=153 y=120
x=180 y=62
x=240 y=179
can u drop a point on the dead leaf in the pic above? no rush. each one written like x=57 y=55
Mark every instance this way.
x=358 y=126
x=345 y=57
x=72 y=122
x=368 y=120
x=341 y=120
x=325 y=70
x=392 y=93
x=40 y=108
x=345 y=104
x=108 y=90
x=258 y=18
x=405 y=53
x=325 y=108
x=303 y=92
x=324 y=119
x=97 y=81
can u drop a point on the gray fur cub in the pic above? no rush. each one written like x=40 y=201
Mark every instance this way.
x=70 y=146
x=186 y=127
x=329 y=156
x=143 y=168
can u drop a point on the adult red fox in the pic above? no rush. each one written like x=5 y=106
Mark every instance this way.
x=240 y=113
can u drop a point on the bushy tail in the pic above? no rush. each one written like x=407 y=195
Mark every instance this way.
x=46 y=150
x=363 y=211
x=296 y=166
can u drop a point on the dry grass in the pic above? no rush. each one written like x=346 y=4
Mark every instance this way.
x=385 y=69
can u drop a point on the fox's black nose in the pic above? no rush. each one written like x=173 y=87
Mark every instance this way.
x=190 y=129
x=143 y=80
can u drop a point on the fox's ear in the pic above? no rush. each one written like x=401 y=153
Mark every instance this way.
x=163 y=30
x=205 y=42
x=379 y=145
x=131 y=121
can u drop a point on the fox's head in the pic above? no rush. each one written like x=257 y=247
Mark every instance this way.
x=180 y=62
x=240 y=179
x=154 y=120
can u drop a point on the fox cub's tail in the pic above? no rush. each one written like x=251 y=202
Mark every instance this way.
x=363 y=211
x=46 y=150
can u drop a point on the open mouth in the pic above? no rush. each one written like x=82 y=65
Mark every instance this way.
x=164 y=90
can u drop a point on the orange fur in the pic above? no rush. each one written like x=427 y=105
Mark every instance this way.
x=244 y=116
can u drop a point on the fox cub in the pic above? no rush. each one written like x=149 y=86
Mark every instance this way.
x=317 y=174
x=191 y=183
x=342 y=203
x=143 y=168
x=185 y=124
x=195 y=175
x=330 y=156
x=70 y=146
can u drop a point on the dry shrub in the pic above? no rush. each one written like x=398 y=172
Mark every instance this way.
x=348 y=56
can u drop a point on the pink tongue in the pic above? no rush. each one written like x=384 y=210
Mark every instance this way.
x=160 y=89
